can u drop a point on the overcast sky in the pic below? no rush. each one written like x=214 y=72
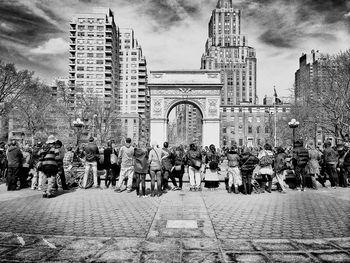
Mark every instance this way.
x=172 y=33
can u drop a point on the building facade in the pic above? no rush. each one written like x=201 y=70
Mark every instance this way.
x=133 y=96
x=227 y=50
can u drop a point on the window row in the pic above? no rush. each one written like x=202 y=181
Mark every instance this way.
x=90 y=41
x=90 y=34
x=98 y=48
x=98 y=28
x=90 y=76
x=91 y=20
x=90 y=55
x=90 y=61
x=89 y=83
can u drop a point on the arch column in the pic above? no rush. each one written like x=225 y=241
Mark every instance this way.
x=211 y=132
x=159 y=132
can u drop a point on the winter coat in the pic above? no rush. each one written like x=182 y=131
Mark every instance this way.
x=14 y=157
x=91 y=152
x=313 y=164
x=266 y=169
x=26 y=159
x=233 y=159
x=167 y=161
x=141 y=160
x=300 y=155
x=330 y=156
x=280 y=162
x=193 y=156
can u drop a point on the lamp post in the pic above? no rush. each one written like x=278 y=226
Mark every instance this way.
x=293 y=124
x=78 y=124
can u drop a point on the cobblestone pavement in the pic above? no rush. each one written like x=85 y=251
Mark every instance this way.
x=210 y=226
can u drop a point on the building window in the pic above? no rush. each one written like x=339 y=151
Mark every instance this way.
x=240 y=142
x=224 y=130
x=250 y=129
x=266 y=129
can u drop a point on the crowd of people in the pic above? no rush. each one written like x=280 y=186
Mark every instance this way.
x=246 y=169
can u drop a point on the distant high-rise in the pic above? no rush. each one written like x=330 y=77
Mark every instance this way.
x=133 y=96
x=93 y=54
x=227 y=49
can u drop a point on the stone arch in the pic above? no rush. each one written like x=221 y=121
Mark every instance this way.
x=176 y=102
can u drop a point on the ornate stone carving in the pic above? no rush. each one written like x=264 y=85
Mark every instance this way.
x=177 y=92
x=213 y=109
x=157 y=106
x=185 y=90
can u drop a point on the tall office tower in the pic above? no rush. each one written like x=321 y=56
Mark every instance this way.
x=227 y=49
x=188 y=124
x=93 y=55
x=309 y=76
x=133 y=97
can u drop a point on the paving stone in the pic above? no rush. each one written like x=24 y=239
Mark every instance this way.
x=236 y=245
x=341 y=242
x=291 y=258
x=161 y=244
x=245 y=257
x=313 y=244
x=274 y=245
x=160 y=257
x=202 y=257
x=333 y=257
x=110 y=255
x=200 y=244
x=31 y=254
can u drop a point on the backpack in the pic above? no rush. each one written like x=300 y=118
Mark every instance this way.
x=266 y=160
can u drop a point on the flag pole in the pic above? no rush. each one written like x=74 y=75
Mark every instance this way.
x=275 y=95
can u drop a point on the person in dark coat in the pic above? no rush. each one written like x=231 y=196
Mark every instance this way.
x=249 y=161
x=178 y=169
x=59 y=146
x=330 y=160
x=300 y=160
x=92 y=154
x=166 y=167
x=107 y=152
x=141 y=168
x=14 y=159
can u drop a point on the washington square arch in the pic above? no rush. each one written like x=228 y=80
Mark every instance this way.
x=197 y=87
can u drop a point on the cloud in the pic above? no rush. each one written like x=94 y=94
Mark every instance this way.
x=52 y=46
x=347 y=15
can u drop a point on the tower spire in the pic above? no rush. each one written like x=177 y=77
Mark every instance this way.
x=224 y=4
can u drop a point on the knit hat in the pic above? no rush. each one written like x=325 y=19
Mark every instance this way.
x=51 y=139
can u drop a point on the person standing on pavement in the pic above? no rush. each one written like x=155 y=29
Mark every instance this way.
x=91 y=158
x=35 y=169
x=107 y=153
x=50 y=155
x=314 y=164
x=141 y=168
x=342 y=153
x=330 y=159
x=155 y=166
x=126 y=159
x=280 y=168
x=194 y=161
x=26 y=152
x=61 y=174
x=178 y=170
x=346 y=164
x=300 y=160
x=233 y=172
x=249 y=162
x=14 y=159
x=266 y=158
x=166 y=167
x=115 y=166
x=212 y=160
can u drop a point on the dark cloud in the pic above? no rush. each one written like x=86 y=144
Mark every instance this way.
x=21 y=25
x=170 y=13
x=284 y=23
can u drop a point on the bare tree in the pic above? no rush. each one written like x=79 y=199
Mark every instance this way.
x=12 y=85
x=33 y=110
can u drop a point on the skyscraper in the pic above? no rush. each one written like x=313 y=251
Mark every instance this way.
x=93 y=54
x=133 y=95
x=227 y=50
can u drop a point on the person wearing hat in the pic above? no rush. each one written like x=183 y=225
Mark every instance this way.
x=49 y=155
x=330 y=160
x=14 y=159
x=280 y=168
x=314 y=164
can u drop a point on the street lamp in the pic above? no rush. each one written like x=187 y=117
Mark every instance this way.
x=78 y=124
x=293 y=124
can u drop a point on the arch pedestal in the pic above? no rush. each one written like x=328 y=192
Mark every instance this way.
x=171 y=88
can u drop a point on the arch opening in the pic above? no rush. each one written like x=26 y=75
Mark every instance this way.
x=184 y=123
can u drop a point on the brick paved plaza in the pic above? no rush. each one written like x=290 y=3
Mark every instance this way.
x=102 y=226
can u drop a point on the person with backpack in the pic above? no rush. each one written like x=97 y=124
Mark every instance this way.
x=107 y=153
x=115 y=166
x=212 y=159
x=166 y=167
x=280 y=167
x=266 y=158
x=155 y=166
x=300 y=160
x=178 y=169
x=14 y=159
